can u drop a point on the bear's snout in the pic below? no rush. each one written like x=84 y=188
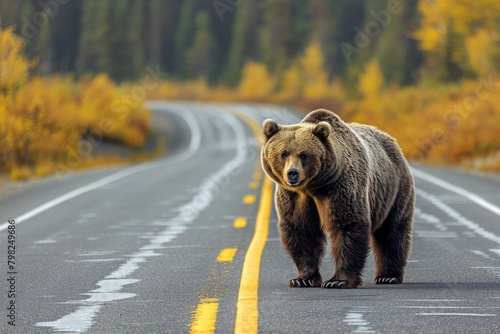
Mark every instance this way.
x=293 y=176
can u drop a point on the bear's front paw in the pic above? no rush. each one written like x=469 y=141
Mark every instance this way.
x=387 y=280
x=339 y=284
x=334 y=284
x=305 y=283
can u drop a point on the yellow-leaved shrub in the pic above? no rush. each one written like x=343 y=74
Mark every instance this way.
x=256 y=83
x=52 y=124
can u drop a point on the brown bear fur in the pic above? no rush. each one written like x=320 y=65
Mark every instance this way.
x=347 y=182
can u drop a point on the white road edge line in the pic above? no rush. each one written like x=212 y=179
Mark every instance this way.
x=457 y=190
x=193 y=148
x=460 y=314
x=185 y=113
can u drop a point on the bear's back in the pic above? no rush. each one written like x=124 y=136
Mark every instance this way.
x=388 y=170
x=382 y=146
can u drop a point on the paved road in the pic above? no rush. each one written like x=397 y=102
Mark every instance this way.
x=175 y=246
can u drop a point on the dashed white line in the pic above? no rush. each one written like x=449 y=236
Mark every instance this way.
x=495 y=251
x=436 y=234
x=96 y=253
x=460 y=314
x=480 y=253
x=432 y=300
x=93 y=260
x=77 y=322
x=458 y=217
x=449 y=307
x=420 y=215
x=462 y=192
x=45 y=241
x=356 y=319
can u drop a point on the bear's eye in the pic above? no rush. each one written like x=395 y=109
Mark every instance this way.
x=303 y=156
x=284 y=155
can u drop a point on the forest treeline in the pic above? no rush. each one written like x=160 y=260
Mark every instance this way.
x=213 y=38
x=425 y=71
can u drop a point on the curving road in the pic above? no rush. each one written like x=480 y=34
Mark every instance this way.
x=188 y=244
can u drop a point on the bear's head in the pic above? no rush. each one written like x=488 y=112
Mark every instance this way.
x=295 y=155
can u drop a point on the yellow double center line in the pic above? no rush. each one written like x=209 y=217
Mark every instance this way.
x=247 y=312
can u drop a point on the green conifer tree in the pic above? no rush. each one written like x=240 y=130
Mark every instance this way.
x=201 y=54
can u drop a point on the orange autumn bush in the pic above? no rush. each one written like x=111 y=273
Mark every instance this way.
x=447 y=125
x=53 y=124
x=305 y=84
x=46 y=122
x=435 y=123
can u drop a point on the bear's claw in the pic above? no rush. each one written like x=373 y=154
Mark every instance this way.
x=387 y=280
x=334 y=285
x=304 y=283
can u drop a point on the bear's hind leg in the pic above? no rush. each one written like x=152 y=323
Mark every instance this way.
x=391 y=245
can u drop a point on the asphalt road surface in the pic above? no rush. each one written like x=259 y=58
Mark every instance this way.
x=188 y=244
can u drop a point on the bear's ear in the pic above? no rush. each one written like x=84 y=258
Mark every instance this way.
x=322 y=130
x=270 y=128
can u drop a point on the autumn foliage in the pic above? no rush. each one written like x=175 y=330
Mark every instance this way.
x=460 y=36
x=449 y=115
x=456 y=124
x=304 y=83
x=52 y=124
x=445 y=124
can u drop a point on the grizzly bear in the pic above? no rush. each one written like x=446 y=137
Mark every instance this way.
x=348 y=182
